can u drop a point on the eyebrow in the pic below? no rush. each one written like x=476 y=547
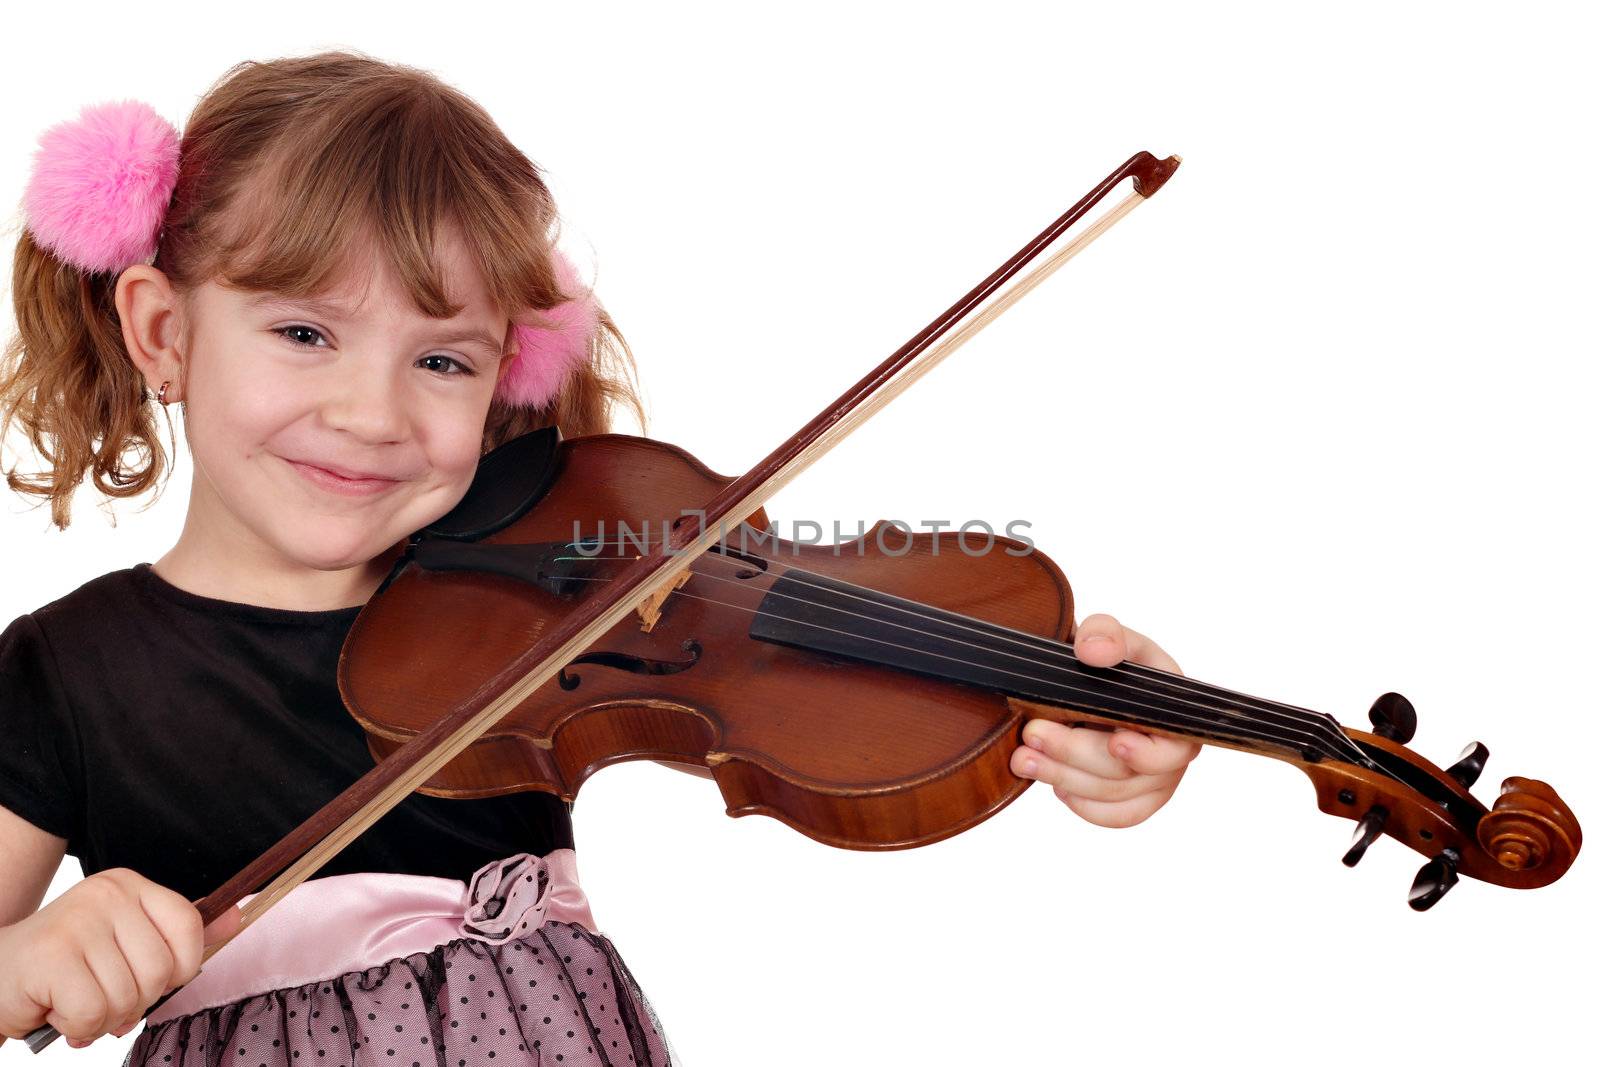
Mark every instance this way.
x=333 y=309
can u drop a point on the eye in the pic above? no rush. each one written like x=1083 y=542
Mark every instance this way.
x=431 y=362
x=283 y=331
x=460 y=367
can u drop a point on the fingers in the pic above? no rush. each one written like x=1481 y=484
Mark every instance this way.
x=82 y=969
x=1151 y=755
x=1108 y=753
x=1078 y=759
x=1116 y=815
x=101 y=955
x=1077 y=746
x=177 y=923
x=1090 y=773
x=1102 y=641
x=72 y=1003
x=149 y=957
x=222 y=928
x=1071 y=781
x=79 y=1008
x=154 y=932
x=1080 y=772
x=119 y=992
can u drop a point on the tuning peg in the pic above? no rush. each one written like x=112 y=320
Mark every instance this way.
x=1367 y=831
x=1393 y=717
x=1434 y=880
x=1469 y=764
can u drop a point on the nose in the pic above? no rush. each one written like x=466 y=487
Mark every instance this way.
x=365 y=402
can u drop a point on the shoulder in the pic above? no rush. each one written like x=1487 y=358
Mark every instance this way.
x=50 y=659
x=67 y=658
x=109 y=594
x=96 y=609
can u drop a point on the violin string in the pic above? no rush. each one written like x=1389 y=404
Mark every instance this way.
x=1068 y=653
x=1245 y=731
x=1315 y=721
x=1319 y=723
x=1063 y=649
x=1297 y=726
x=1261 y=733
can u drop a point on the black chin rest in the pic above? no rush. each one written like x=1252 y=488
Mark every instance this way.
x=509 y=481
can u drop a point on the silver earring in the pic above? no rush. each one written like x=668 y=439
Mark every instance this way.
x=162 y=396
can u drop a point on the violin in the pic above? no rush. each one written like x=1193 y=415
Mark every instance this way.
x=868 y=694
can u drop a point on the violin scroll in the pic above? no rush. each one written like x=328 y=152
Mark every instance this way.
x=1530 y=827
x=1528 y=839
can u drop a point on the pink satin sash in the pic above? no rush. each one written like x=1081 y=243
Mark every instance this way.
x=326 y=927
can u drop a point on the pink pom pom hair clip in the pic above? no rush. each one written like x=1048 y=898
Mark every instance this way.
x=547 y=355
x=101 y=184
x=100 y=189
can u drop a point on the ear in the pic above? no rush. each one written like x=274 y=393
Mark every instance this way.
x=152 y=327
x=508 y=354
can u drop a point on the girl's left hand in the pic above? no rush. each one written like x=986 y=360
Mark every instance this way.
x=1109 y=777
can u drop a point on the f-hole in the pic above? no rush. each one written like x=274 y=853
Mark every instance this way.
x=620 y=661
x=755 y=566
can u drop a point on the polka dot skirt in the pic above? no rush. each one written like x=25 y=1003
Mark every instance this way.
x=555 y=995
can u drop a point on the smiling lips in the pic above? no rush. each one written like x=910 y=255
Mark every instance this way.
x=343 y=480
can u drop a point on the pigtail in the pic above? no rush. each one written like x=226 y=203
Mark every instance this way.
x=66 y=380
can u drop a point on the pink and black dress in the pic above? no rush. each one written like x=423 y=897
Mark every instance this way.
x=181 y=736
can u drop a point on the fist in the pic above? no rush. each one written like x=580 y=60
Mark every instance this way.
x=93 y=960
x=1109 y=777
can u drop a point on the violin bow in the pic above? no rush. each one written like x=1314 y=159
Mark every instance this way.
x=304 y=850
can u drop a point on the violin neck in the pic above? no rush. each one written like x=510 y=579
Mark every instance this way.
x=808 y=610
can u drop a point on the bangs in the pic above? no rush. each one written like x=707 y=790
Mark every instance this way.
x=381 y=173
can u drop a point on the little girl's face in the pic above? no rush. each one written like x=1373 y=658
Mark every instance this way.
x=325 y=432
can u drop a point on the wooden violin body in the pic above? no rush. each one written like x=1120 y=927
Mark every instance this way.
x=852 y=754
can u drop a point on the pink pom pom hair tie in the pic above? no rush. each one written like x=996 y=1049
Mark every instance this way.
x=547 y=355
x=101 y=184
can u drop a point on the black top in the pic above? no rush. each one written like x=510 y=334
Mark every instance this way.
x=181 y=736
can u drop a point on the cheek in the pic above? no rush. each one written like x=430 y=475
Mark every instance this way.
x=452 y=438
x=236 y=403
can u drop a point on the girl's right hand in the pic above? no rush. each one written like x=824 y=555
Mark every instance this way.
x=93 y=960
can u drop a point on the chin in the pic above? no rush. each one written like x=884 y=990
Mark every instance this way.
x=331 y=547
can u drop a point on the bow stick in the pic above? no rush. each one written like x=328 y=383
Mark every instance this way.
x=314 y=842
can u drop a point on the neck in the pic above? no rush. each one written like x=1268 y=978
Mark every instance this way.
x=811 y=611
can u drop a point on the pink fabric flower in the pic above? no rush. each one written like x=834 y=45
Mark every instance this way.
x=547 y=355
x=101 y=185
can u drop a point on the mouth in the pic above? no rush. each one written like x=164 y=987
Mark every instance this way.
x=341 y=480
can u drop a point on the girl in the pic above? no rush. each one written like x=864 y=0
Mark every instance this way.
x=354 y=293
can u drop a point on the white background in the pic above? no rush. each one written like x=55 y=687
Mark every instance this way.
x=1319 y=418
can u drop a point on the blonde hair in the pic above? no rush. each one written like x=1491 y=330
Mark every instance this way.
x=285 y=166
